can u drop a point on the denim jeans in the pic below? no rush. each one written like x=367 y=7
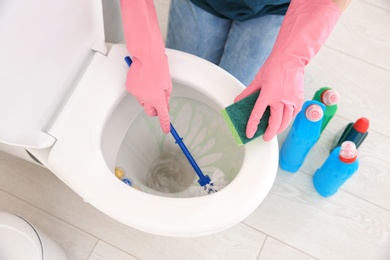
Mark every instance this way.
x=240 y=48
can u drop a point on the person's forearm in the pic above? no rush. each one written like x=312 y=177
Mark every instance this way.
x=141 y=29
x=342 y=4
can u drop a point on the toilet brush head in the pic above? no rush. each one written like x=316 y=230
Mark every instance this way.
x=219 y=182
x=237 y=115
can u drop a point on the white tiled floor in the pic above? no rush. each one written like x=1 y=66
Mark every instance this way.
x=293 y=222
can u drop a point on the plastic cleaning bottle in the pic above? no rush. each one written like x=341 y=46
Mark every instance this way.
x=336 y=170
x=303 y=135
x=355 y=132
x=329 y=98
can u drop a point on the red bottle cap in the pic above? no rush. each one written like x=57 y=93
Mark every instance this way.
x=361 y=125
x=314 y=113
x=348 y=152
x=330 y=97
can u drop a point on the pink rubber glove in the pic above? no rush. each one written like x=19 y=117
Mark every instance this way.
x=148 y=78
x=304 y=30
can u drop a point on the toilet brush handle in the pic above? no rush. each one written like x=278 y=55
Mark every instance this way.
x=203 y=180
x=128 y=60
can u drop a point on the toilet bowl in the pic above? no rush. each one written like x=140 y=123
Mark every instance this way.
x=21 y=240
x=97 y=126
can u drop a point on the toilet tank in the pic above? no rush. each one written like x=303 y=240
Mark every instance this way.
x=45 y=47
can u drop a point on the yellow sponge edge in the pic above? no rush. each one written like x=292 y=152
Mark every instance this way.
x=230 y=124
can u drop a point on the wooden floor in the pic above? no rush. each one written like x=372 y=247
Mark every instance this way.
x=293 y=222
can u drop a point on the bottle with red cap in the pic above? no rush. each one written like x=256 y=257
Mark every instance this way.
x=354 y=132
x=341 y=164
x=303 y=135
x=329 y=98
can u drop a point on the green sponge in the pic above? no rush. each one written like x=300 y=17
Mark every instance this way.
x=237 y=115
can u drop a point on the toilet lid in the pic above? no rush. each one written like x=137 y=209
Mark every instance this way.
x=18 y=239
x=44 y=48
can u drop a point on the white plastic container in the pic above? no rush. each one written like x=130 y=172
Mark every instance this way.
x=20 y=240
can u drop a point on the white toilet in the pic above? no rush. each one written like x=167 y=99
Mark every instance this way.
x=63 y=100
x=21 y=240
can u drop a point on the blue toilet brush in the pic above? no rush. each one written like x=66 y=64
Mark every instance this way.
x=204 y=180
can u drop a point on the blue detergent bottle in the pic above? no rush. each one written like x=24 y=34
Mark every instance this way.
x=303 y=135
x=341 y=164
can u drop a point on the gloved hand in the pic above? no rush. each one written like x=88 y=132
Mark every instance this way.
x=151 y=84
x=304 y=30
x=148 y=78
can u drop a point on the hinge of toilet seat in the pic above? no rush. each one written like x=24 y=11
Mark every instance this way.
x=100 y=46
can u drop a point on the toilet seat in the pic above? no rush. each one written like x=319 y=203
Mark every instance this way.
x=68 y=140
x=44 y=49
x=77 y=156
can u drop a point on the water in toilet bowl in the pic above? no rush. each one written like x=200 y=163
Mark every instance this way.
x=156 y=164
x=170 y=173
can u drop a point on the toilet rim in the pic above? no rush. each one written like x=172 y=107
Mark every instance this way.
x=86 y=172
x=176 y=216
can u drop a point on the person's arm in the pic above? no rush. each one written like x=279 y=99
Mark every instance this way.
x=148 y=78
x=342 y=4
x=305 y=28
